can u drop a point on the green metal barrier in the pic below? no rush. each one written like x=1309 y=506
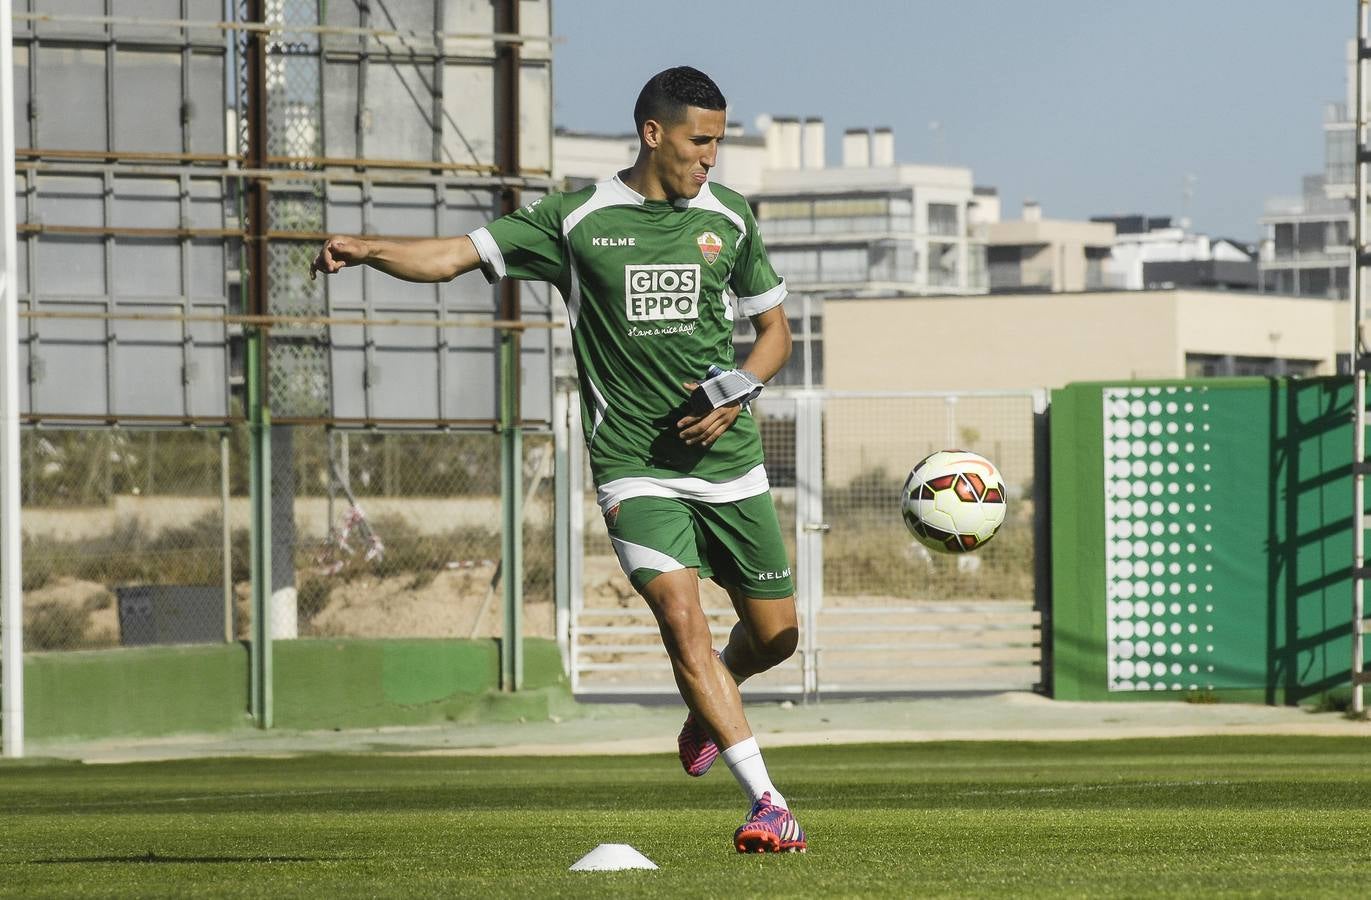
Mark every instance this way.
x=1201 y=539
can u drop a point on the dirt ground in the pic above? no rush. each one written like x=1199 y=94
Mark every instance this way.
x=450 y=604
x=73 y=614
x=459 y=603
x=69 y=613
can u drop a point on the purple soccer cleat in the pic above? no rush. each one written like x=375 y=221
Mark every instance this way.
x=694 y=745
x=697 y=749
x=769 y=829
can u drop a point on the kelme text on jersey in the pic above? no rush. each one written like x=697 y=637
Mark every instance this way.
x=653 y=293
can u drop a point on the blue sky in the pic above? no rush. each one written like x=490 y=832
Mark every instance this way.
x=1088 y=106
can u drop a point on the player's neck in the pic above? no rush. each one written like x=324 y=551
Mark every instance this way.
x=642 y=179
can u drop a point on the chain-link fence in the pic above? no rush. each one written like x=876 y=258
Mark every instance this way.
x=398 y=535
x=879 y=612
x=870 y=444
x=892 y=613
x=128 y=537
x=133 y=538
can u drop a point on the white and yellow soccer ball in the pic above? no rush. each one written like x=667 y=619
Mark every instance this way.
x=953 y=501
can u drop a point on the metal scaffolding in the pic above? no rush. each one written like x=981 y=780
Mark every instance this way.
x=172 y=178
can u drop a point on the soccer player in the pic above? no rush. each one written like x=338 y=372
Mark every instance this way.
x=644 y=261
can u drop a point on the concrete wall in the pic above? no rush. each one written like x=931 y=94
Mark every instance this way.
x=318 y=684
x=1265 y=326
x=1004 y=341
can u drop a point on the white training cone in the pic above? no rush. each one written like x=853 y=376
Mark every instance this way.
x=612 y=858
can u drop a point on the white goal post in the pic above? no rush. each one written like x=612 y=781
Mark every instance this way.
x=11 y=597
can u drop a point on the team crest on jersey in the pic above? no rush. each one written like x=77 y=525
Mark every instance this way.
x=711 y=245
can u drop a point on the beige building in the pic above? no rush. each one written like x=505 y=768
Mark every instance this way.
x=869 y=226
x=1018 y=341
x=1015 y=343
x=1037 y=254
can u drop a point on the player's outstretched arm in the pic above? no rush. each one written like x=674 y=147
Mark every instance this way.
x=427 y=259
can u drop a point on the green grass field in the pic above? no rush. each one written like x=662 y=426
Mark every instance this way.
x=1193 y=816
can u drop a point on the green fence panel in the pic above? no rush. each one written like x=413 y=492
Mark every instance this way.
x=1202 y=539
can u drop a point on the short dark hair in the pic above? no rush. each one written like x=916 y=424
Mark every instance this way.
x=669 y=92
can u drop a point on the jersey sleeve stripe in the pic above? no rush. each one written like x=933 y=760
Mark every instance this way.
x=756 y=305
x=492 y=260
x=612 y=192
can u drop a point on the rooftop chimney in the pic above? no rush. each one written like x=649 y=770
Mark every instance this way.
x=814 y=144
x=789 y=134
x=1032 y=212
x=856 y=148
x=773 y=143
x=883 y=148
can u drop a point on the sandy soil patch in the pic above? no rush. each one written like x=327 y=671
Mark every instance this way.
x=69 y=613
x=460 y=603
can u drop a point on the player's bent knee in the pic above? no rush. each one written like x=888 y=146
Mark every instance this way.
x=779 y=647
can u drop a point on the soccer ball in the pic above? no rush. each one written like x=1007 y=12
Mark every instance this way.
x=953 y=501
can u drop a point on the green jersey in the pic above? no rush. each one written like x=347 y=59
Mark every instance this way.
x=645 y=285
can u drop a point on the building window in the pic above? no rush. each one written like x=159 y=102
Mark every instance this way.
x=942 y=265
x=892 y=261
x=793 y=373
x=977 y=274
x=1094 y=274
x=873 y=213
x=942 y=219
x=1006 y=268
x=1338 y=156
x=1285 y=240
x=842 y=265
x=1214 y=365
x=1310 y=237
x=796 y=264
x=1341 y=235
x=783 y=217
x=1315 y=282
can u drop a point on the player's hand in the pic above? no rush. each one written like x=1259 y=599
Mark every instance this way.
x=337 y=253
x=704 y=430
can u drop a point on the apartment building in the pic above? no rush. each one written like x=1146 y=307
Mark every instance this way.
x=1033 y=254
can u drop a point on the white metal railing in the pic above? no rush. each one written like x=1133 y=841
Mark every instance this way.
x=926 y=631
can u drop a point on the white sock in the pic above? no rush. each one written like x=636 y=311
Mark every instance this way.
x=737 y=679
x=744 y=760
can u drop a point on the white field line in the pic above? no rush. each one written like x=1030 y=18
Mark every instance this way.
x=259 y=795
x=97 y=804
x=1082 y=788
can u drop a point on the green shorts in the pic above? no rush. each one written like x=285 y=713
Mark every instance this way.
x=737 y=544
